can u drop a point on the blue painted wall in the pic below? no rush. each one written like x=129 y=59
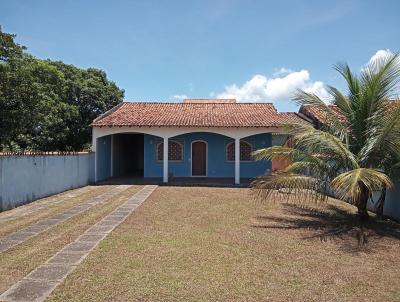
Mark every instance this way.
x=103 y=157
x=278 y=139
x=217 y=165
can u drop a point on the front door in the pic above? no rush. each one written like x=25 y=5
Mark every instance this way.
x=199 y=158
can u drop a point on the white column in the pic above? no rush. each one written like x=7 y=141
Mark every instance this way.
x=165 y=160
x=94 y=147
x=237 y=161
x=112 y=156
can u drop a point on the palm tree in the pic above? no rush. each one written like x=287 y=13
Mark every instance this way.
x=355 y=151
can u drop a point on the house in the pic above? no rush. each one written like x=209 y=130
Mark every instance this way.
x=207 y=138
x=317 y=116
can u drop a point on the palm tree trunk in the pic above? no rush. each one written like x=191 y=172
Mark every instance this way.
x=362 y=202
x=380 y=203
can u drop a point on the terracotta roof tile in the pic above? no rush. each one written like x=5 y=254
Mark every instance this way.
x=316 y=114
x=212 y=101
x=143 y=114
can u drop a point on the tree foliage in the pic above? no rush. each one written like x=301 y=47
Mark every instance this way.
x=357 y=150
x=48 y=105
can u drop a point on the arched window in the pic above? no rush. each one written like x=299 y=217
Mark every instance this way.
x=175 y=151
x=245 y=151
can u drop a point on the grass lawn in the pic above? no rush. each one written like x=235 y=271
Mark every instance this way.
x=20 y=260
x=217 y=244
x=12 y=221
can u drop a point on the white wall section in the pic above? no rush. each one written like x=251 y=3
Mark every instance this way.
x=27 y=178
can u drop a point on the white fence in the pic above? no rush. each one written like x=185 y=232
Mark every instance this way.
x=24 y=178
x=392 y=202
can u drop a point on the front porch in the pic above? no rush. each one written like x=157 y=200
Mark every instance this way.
x=220 y=182
x=209 y=157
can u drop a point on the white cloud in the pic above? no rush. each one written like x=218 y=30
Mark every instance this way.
x=282 y=84
x=375 y=61
x=180 y=96
x=282 y=70
x=261 y=88
x=380 y=54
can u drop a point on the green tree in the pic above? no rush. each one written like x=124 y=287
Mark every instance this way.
x=47 y=105
x=10 y=55
x=9 y=49
x=354 y=153
x=92 y=94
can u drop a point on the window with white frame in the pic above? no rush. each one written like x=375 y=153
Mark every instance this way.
x=175 y=151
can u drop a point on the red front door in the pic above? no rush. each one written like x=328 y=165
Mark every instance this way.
x=199 y=158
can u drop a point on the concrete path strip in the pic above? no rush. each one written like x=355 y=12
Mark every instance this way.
x=37 y=228
x=38 y=204
x=38 y=284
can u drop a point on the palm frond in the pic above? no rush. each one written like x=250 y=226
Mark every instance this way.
x=394 y=169
x=275 y=152
x=297 y=187
x=380 y=78
x=348 y=185
x=332 y=122
x=308 y=141
x=356 y=118
x=341 y=101
x=305 y=166
x=314 y=141
x=298 y=161
x=383 y=136
x=314 y=167
x=352 y=80
x=378 y=81
x=302 y=97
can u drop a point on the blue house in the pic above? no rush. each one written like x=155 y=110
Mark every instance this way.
x=207 y=138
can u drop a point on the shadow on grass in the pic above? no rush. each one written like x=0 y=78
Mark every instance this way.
x=335 y=224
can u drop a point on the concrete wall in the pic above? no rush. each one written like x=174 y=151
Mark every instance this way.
x=103 y=157
x=26 y=178
x=392 y=202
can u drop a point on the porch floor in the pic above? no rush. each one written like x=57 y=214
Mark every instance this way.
x=179 y=181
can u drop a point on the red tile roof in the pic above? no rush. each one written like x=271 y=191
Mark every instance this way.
x=142 y=114
x=212 y=101
x=318 y=115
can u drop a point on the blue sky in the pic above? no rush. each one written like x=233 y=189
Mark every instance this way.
x=156 y=50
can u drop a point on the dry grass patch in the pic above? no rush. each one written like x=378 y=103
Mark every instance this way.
x=217 y=244
x=30 y=207
x=8 y=227
x=19 y=261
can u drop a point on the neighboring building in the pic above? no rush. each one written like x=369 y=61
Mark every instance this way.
x=317 y=116
x=211 y=138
